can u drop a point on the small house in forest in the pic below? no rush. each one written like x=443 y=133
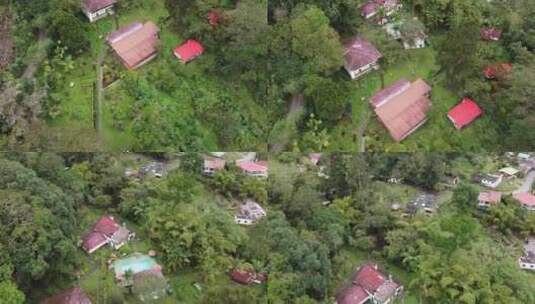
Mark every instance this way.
x=498 y=70
x=213 y=165
x=486 y=199
x=188 y=51
x=361 y=56
x=135 y=44
x=411 y=33
x=464 y=113
x=526 y=200
x=249 y=213
x=373 y=8
x=97 y=9
x=70 y=296
x=489 y=180
x=247 y=277
x=370 y=285
x=527 y=261
x=491 y=34
x=106 y=231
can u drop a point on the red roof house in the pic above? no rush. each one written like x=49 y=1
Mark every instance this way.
x=258 y=168
x=354 y=294
x=464 y=113
x=213 y=165
x=402 y=108
x=491 y=34
x=526 y=199
x=105 y=231
x=489 y=198
x=189 y=50
x=70 y=296
x=369 y=284
x=135 y=44
x=213 y=18
x=247 y=277
x=498 y=70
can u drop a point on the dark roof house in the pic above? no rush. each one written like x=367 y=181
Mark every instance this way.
x=360 y=56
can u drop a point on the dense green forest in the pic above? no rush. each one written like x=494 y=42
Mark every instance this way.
x=271 y=76
x=317 y=231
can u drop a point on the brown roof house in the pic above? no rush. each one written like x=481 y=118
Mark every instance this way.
x=70 y=296
x=135 y=44
x=360 y=57
x=106 y=231
x=212 y=165
x=487 y=199
x=402 y=107
x=369 y=285
x=96 y=9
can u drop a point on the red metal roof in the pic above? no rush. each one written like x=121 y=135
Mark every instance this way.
x=352 y=295
x=106 y=225
x=189 y=50
x=464 y=113
x=525 y=198
x=252 y=166
x=242 y=277
x=369 y=278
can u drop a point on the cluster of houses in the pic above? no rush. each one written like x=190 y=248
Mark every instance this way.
x=402 y=107
x=106 y=231
x=250 y=167
x=370 y=285
x=136 y=44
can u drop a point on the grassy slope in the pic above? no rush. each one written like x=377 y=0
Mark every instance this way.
x=437 y=134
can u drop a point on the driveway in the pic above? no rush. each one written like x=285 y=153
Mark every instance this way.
x=526 y=185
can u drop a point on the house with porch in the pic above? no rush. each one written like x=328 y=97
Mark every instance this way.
x=361 y=56
x=97 y=9
x=370 y=285
x=402 y=107
x=487 y=199
x=135 y=44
